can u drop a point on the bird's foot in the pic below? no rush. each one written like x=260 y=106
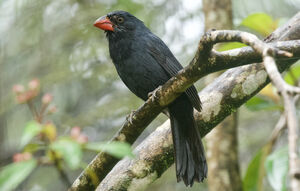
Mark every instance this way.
x=152 y=94
x=166 y=112
x=130 y=116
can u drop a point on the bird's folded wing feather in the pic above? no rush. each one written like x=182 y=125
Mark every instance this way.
x=161 y=53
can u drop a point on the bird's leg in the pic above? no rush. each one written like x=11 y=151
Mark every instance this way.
x=152 y=94
x=130 y=116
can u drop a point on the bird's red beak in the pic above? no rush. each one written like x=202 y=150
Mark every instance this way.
x=104 y=23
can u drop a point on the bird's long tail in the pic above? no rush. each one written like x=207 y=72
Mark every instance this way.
x=189 y=153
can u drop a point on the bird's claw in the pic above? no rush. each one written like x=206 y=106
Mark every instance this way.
x=130 y=117
x=152 y=94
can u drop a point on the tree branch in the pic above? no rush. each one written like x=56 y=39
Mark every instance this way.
x=287 y=92
x=219 y=99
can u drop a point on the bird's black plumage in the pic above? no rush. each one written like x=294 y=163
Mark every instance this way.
x=144 y=62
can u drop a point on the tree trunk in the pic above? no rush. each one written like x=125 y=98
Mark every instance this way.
x=222 y=152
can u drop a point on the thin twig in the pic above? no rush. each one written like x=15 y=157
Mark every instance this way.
x=32 y=109
x=275 y=76
x=279 y=127
x=41 y=113
x=292 y=121
x=287 y=92
x=62 y=173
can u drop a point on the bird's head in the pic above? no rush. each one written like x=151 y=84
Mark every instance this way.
x=118 y=22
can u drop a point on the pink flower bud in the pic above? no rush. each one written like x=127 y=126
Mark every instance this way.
x=82 y=139
x=18 y=88
x=52 y=109
x=34 y=84
x=22 y=98
x=27 y=156
x=47 y=98
x=31 y=94
x=17 y=157
x=75 y=132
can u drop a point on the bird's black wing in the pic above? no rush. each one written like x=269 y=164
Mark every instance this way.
x=162 y=54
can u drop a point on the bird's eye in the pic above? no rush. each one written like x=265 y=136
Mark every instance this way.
x=120 y=19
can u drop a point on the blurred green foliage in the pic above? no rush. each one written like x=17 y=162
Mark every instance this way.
x=277 y=169
x=293 y=74
x=261 y=103
x=230 y=45
x=70 y=151
x=253 y=180
x=116 y=149
x=31 y=130
x=261 y=23
x=12 y=175
x=39 y=135
x=274 y=166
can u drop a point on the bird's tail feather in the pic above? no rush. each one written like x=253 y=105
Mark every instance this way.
x=189 y=153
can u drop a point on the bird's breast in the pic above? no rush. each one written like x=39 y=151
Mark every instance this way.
x=140 y=72
x=120 y=51
x=140 y=75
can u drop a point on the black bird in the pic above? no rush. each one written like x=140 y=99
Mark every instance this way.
x=144 y=62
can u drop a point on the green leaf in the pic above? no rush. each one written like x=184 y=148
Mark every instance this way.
x=32 y=147
x=277 y=169
x=31 y=130
x=294 y=73
x=257 y=103
x=14 y=174
x=230 y=45
x=261 y=23
x=70 y=150
x=253 y=180
x=116 y=149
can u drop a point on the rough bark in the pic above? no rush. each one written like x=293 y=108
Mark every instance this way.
x=217 y=102
x=149 y=164
x=218 y=14
x=222 y=141
x=222 y=156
